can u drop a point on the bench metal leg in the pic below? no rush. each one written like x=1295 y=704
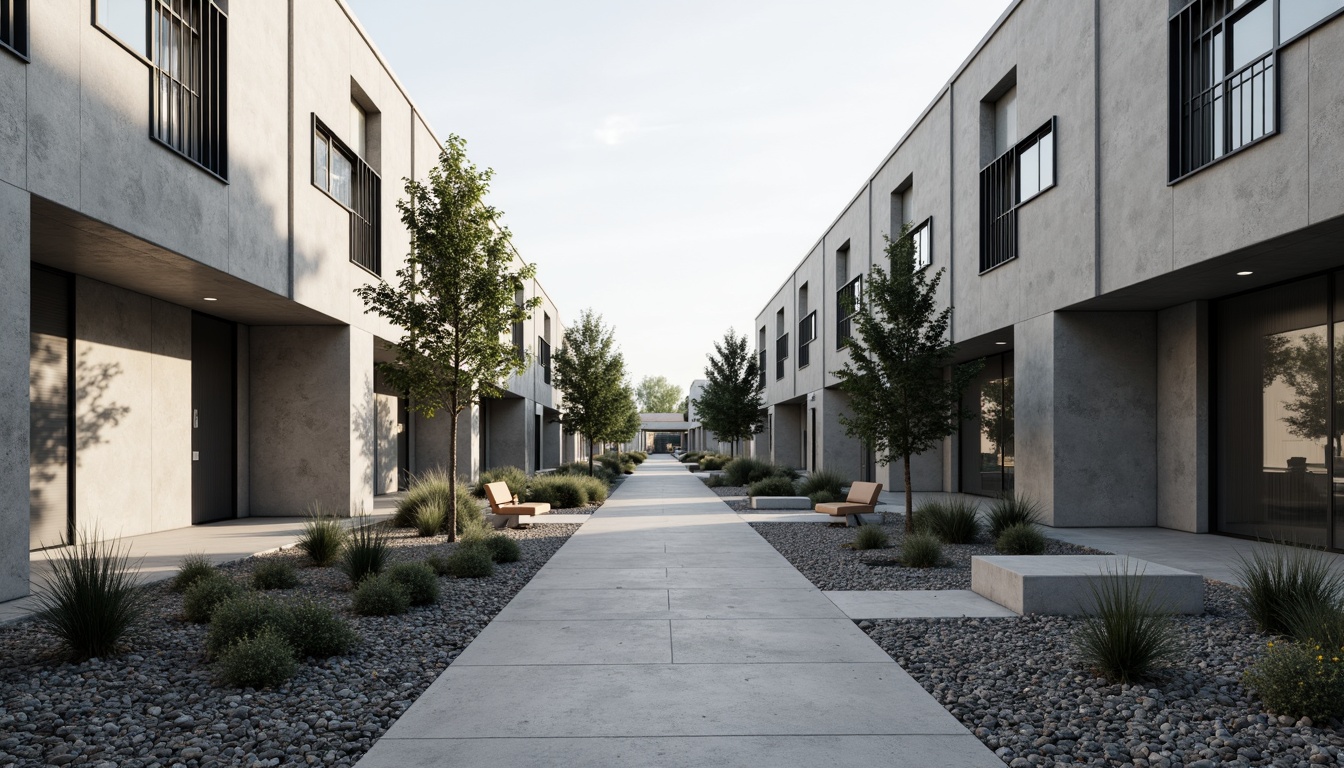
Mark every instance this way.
x=504 y=521
x=853 y=521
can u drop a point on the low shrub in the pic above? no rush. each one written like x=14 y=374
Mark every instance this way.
x=580 y=469
x=1021 y=539
x=92 y=598
x=717 y=481
x=439 y=563
x=433 y=488
x=869 y=537
x=746 y=470
x=380 y=596
x=1131 y=634
x=514 y=477
x=274 y=574
x=365 y=552
x=264 y=661
x=243 y=617
x=1315 y=623
x=322 y=539
x=470 y=561
x=1011 y=509
x=816 y=482
x=1300 y=679
x=431 y=517
x=953 y=522
x=691 y=457
x=711 y=462
x=560 y=491
x=772 y=486
x=823 y=497
x=921 y=550
x=1278 y=578
x=315 y=630
x=503 y=549
x=639 y=457
x=192 y=569
x=201 y=599
x=419 y=580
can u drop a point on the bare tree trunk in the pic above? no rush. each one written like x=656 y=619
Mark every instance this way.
x=590 y=457
x=455 y=409
x=909 y=499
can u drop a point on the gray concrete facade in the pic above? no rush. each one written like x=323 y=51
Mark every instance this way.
x=1106 y=304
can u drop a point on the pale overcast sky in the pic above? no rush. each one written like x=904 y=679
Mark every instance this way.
x=668 y=164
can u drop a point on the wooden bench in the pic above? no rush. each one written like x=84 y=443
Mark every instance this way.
x=507 y=511
x=862 y=499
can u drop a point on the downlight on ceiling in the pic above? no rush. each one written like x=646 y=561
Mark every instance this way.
x=1245 y=273
x=211 y=298
x=1001 y=343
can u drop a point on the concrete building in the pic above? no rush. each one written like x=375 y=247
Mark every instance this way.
x=698 y=438
x=189 y=195
x=1138 y=209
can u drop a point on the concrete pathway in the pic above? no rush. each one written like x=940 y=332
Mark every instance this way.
x=916 y=604
x=667 y=633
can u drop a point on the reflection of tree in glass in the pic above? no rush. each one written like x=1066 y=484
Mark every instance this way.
x=1302 y=360
x=996 y=415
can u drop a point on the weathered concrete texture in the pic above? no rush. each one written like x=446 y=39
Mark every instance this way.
x=385 y=419
x=1326 y=115
x=14 y=351
x=468 y=443
x=550 y=440
x=1183 y=417
x=836 y=451
x=363 y=435
x=170 y=408
x=786 y=435
x=1064 y=584
x=916 y=604
x=305 y=421
x=1086 y=403
x=504 y=433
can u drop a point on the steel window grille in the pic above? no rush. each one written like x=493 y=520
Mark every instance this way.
x=807 y=333
x=14 y=26
x=1223 y=80
x=350 y=181
x=922 y=237
x=847 y=302
x=188 y=106
x=544 y=350
x=1010 y=180
x=781 y=354
x=760 y=382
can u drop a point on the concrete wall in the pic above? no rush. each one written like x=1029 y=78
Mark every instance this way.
x=14 y=350
x=1183 y=417
x=505 y=434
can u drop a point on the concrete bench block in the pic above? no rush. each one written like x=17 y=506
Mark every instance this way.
x=781 y=502
x=1060 y=584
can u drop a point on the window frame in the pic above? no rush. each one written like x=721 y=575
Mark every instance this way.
x=143 y=56
x=19 y=17
x=362 y=176
x=843 y=332
x=781 y=354
x=1006 y=169
x=807 y=333
x=333 y=143
x=208 y=92
x=926 y=227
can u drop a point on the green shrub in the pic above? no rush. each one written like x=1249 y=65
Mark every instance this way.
x=717 y=481
x=274 y=574
x=711 y=462
x=691 y=457
x=953 y=522
x=322 y=539
x=380 y=596
x=92 y=597
x=315 y=630
x=514 y=477
x=439 y=563
x=419 y=580
x=869 y=537
x=746 y=470
x=1020 y=539
x=639 y=457
x=432 y=488
x=264 y=661
x=431 y=518
x=560 y=491
x=580 y=469
x=206 y=594
x=1011 y=509
x=921 y=550
x=503 y=549
x=470 y=561
x=192 y=569
x=1130 y=634
x=365 y=552
x=773 y=486
x=242 y=617
x=816 y=482
x=1300 y=680
x=1314 y=623
x=822 y=497
x=1277 y=578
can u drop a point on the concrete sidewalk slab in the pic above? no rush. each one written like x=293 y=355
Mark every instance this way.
x=512 y=643
x=772 y=641
x=917 y=604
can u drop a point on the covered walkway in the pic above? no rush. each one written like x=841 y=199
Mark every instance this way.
x=667 y=633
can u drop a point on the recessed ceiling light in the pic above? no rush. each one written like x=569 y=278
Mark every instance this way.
x=1243 y=274
x=211 y=298
x=1001 y=343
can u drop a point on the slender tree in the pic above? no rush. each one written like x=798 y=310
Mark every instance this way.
x=655 y=394
x=730 y=405
x=903 y=404
x=590 y=374
x=454 y=298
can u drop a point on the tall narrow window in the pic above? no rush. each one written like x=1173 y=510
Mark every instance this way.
x=359 y=130
x=344 y=175
x=807 y=328
x=544 y=348
x=760 y=345
x=14 y=26
x=781 y=344
x=1013 y=178
x=922 y=238
x=847 y=302
x=518 y=346
x=188 y=108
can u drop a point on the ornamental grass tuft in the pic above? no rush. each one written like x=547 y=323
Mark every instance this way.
x=92 y=598
x=921 y=550
x=1279 y=579
x=366 y=551
x=822 y=480
x=1020 y=539
x=953 y=522
x=1009 y=510
x=869 y=537
x=431 y=517
x=192 y=569
x=274 y=574
x=323 y=537
x=1130 y=633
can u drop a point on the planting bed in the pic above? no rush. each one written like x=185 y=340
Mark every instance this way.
x=159 y=705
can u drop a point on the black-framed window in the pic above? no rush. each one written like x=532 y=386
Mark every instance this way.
x=922 y=237
x=544 y=355
x=847 y=302
x=347 y=179
x=188 y=54
x=781 y=355
x=807 y=333
x=14 y=26
x=760 y=367
x=125 y=21
x=1012 y=179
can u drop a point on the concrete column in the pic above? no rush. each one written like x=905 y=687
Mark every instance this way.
x=468 y=443
x=786 y=435
x=1183 y=417
x=550 y=447
x=15 y=250
x=506 y=433
x=1085 y=416
x=836 y=451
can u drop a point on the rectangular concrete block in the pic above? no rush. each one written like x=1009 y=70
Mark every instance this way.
x=1061 y=585
x=781 y=502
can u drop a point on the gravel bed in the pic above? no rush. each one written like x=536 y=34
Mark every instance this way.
x=158 y=705
x=1018 y=685
x=815 y=549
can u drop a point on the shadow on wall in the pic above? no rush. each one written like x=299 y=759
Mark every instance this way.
x=364 y=415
